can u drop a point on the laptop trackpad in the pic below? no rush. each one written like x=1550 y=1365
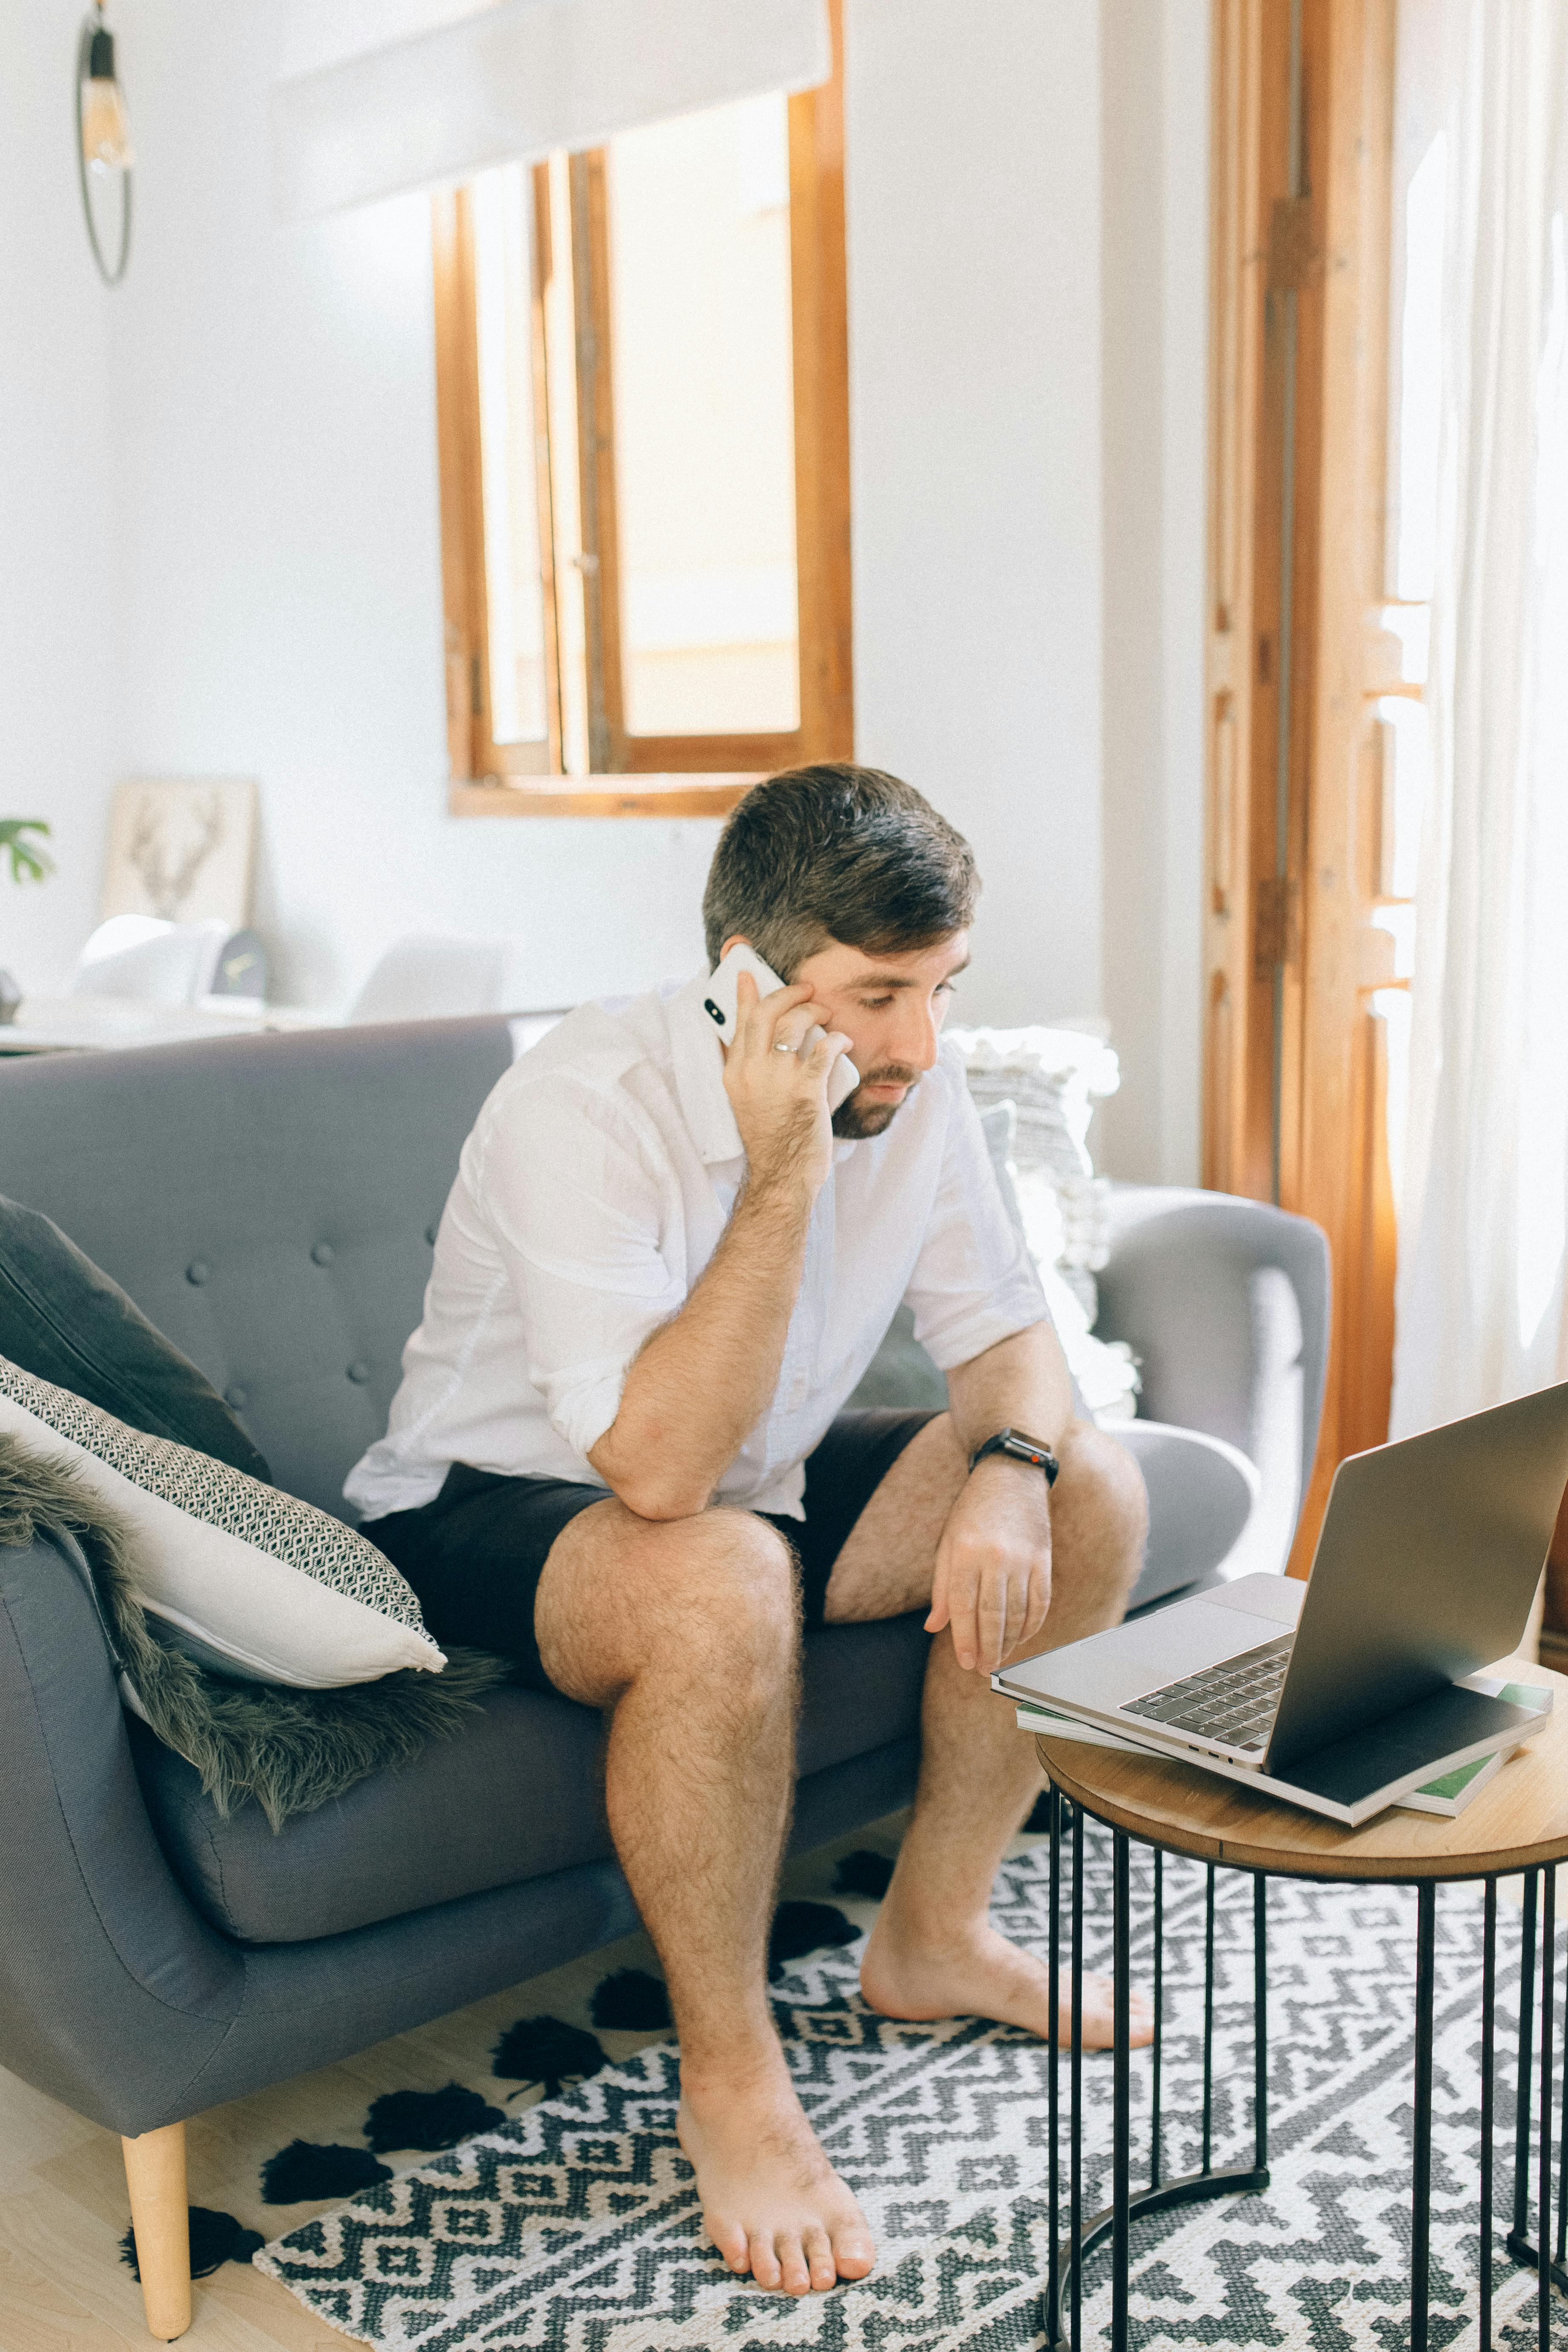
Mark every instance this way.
x=1108 y=1669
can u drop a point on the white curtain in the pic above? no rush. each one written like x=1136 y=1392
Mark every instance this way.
x=414 y=93
x=1484 y=1213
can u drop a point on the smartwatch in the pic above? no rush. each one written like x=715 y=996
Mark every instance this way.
x=1022 y=1448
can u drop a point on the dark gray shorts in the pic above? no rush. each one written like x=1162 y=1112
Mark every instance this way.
x=475 y=1554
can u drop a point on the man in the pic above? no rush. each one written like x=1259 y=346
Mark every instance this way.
x=618 y=1451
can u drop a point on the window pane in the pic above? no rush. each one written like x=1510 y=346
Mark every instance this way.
x=503 y=218
x=700 y=289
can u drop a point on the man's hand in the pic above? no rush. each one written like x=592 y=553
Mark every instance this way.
x=780 y=1096
x=992 y=1583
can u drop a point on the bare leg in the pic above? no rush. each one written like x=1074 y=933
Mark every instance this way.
x=687 y=1630
x=933 y=1952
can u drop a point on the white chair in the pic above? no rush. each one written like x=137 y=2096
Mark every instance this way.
x=432 y=977
x=154 y=962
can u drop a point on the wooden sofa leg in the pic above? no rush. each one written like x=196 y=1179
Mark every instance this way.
x=160 y=2215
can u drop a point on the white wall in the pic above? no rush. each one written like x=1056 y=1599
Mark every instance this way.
x=270 y=396
x=283 y=591
x=972 y=148
x=57 y=536
x=1154 y=103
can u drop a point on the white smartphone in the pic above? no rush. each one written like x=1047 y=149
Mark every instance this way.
x=720 y=1006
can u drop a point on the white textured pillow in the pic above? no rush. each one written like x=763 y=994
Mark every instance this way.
x=1054 y=1078
x=275 y=1589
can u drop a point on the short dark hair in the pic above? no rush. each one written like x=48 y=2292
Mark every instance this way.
x=836 y=851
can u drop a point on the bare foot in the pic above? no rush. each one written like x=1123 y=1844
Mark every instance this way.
x=771 y=2203
x=985 y=1975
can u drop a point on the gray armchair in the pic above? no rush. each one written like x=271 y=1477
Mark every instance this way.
x=271 y=1202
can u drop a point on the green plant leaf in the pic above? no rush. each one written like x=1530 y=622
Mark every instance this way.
x=29 y=863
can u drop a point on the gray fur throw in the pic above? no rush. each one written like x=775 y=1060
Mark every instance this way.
x=291 y=1750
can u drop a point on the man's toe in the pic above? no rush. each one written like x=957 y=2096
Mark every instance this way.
x=819 y=2252
x=731 y=2240
x=794 y=2271
x=764 y=2261
x=853 y=2252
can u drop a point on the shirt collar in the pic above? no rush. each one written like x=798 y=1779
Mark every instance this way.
x=699 y=1060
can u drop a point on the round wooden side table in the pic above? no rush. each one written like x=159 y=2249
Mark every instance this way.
x=1519 y=1824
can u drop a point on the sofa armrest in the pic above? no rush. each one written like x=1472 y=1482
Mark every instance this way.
x=1224 y=1302
x=1202 y=1496
x=113 y=1993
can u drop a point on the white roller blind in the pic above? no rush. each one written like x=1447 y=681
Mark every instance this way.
x=474 y=82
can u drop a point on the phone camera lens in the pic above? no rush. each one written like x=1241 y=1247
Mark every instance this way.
x=708 y=1006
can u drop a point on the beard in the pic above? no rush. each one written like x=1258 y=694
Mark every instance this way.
x=855 y=1120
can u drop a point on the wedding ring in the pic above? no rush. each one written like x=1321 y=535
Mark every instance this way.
x=780 y=1048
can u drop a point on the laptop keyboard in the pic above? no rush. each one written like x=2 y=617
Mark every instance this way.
x=1232 y=1703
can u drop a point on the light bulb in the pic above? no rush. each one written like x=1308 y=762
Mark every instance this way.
x=105 y=127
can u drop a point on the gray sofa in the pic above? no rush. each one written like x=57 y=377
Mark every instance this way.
x=271 y=1202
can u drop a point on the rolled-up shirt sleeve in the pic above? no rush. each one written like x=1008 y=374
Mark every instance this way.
x=580 y=1217
x=975 y=1283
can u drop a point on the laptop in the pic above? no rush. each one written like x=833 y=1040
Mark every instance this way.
x=1344 y=1693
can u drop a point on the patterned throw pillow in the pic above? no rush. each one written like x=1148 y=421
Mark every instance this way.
x=247 y=1577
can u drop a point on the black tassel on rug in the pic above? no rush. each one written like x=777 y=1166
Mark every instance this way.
x=802 y=1927
x=215 y=2238
x=305 y=2170
x=630 y=2001
x=429 y=2120
x=546 y=2050
x=863 y=1873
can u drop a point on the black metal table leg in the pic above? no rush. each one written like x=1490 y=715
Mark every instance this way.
x=1208 y=2021
x=1053 y=2088
x=1488 y=2087
x=1519 y=2245
x=1544 y=2210
x=1421 y=2154
x=1155 y=2152
x=1536 y=2253
x=1121 y=2089
x=1260 y=2024
x=1561 y=2255
x=1064 y=2286
x=1077 y=2198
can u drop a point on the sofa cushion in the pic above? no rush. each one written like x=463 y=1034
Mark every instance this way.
x=63 y=1319
x=248 y=1578
x=514 y=1797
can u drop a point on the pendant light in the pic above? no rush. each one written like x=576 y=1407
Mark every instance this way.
x=103 y=136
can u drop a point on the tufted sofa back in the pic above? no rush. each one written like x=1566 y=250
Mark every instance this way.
x=270 y=1202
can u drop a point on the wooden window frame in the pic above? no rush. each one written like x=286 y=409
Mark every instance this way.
x=664 y=775
x=1295 y=1065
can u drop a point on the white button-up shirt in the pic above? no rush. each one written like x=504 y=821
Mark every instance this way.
x=593 y=1190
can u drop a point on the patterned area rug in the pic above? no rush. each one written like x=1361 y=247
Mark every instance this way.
x=573 y=2228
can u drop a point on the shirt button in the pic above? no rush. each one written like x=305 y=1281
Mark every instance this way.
x=323 y=1253
x=359 y=1371
x=198 y=1271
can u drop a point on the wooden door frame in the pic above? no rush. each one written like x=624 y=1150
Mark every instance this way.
x=1296 y=528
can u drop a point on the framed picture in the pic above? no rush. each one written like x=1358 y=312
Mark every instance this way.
x=182 y=851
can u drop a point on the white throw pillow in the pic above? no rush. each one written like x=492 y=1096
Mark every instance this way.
x=249 y=1579
x=1054 y=1078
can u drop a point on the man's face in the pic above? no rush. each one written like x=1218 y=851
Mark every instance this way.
x=892 y=1008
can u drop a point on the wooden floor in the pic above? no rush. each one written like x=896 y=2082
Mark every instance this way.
x=63 y=2205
